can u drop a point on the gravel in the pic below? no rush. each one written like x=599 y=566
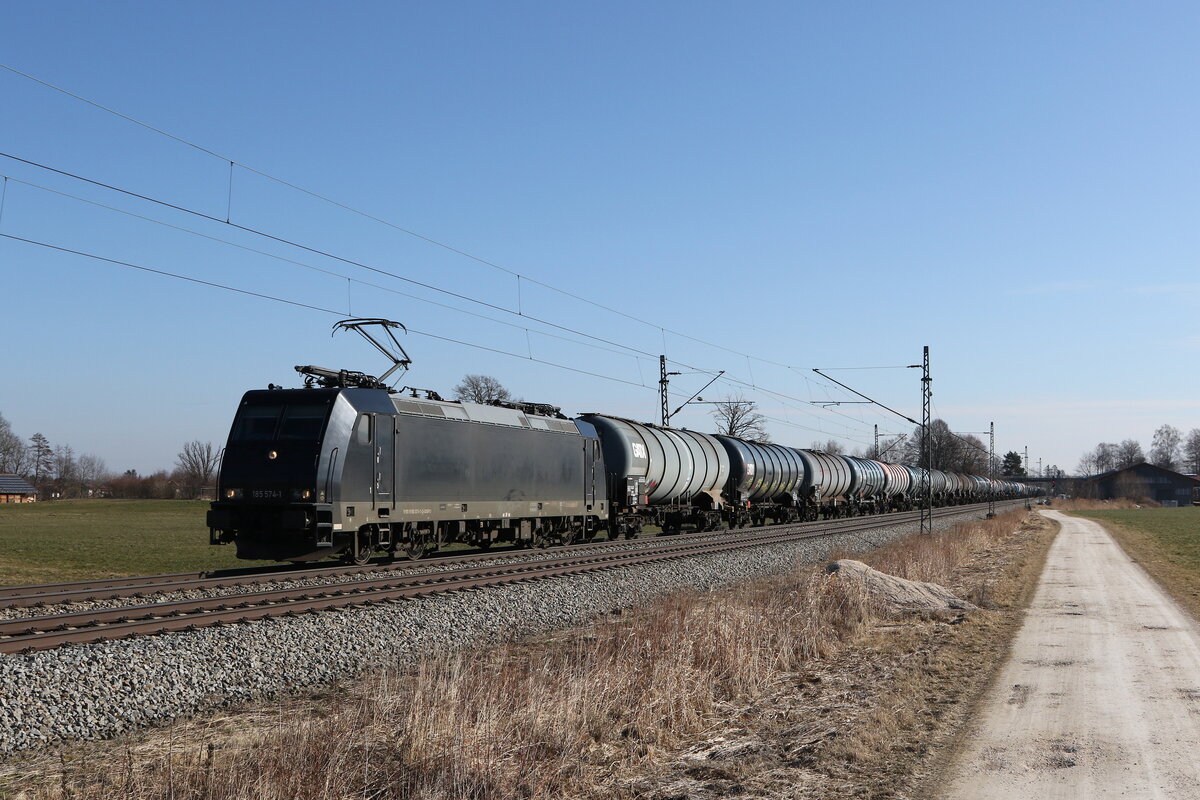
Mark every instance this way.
x=400 y=569
x=98 y=691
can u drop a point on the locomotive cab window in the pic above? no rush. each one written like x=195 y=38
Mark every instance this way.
x=302 y=422
x=362 y=430
x=256 y=423
x=277 y=421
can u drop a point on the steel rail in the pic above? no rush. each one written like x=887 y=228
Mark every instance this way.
x=184 y=615
x=46 y=632
x=143 y=585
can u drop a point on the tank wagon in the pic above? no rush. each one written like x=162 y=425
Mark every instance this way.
x=898 y=486
x=767 y=483
x=660 y=476
x=347 y=468
x=827 y=483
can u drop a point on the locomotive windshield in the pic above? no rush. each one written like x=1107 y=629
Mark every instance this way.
x=276 y=421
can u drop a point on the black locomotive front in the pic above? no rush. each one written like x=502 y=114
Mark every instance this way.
x=272 y=500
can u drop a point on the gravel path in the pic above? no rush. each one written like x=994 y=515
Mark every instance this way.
x=97 y=691
x=1101 y=695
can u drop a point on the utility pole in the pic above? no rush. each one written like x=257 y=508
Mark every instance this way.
x=876 y=443
x=662 y=390
x=1025 y=463
x=926 y=484
x=992 y=470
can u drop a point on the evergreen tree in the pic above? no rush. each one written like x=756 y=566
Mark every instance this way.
x=43 y=457
x=1011 y=466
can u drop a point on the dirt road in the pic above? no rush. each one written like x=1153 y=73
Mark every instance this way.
x=1101 y=695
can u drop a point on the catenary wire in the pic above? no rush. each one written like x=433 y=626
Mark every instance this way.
x=318 y=251
x=311 y=267
x=183 y=209
x=351 y=209
x=274 y=298
x=366 y=215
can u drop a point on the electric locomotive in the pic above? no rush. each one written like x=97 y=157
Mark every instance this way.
x=345 y=467
x=319 y=472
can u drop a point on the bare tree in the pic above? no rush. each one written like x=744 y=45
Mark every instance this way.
x=1106 y=456
x=739 y=417
x=948 y=450
x=89 y=470
x=64 y=472
x=483 y=389
x=1087 y=463
x=1129 y=452
x=1164 y=449
x=831 y=446
x=1191 y=451
x=14 y=453
x=197 y=463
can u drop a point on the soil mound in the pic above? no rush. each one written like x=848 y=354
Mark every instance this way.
x=897 y=593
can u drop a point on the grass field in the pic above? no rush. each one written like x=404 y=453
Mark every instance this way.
x=77 y=539
x=1165 y=541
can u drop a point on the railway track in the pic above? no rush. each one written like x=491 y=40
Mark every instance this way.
x=395 y=582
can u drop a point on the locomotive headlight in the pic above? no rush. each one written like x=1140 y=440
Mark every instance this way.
x=233 y=494
x=302 y=494
x=272 y=455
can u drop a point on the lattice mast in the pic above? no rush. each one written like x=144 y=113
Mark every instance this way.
x=926 y=492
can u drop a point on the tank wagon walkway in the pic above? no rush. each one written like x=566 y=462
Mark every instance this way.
x=1101 y=695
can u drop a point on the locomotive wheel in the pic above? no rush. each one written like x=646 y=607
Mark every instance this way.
x=484 y=544
x=360 y=550
x=416 y=549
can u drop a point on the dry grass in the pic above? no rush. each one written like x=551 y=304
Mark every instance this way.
x=601 y=712
x=1084 y=504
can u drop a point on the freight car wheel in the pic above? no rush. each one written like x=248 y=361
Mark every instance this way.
x=416 y=549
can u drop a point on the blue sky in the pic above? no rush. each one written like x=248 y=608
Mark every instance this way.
x=795 y=185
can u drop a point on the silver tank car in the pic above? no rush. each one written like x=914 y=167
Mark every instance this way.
x=763 y=471
x=939 y=483
x=983 y=487
x=826 y=481
x=662 y=476
x=899 y=484
x=765 y=476
x=868 y=483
